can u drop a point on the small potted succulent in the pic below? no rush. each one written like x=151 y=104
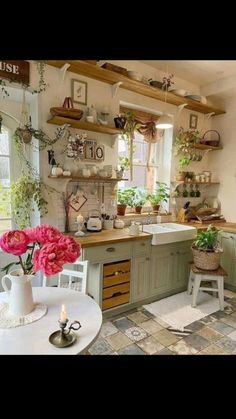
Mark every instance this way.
x=206 y=249
x=160 y=195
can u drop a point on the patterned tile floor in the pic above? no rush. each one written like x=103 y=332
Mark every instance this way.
x=139 y=332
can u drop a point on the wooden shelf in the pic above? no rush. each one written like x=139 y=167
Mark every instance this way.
x=207 y=147
x=182 y=182
x=110 y=77
x=87 y=179
x=88 y=126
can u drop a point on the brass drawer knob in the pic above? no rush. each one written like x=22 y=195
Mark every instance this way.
x=116 y=273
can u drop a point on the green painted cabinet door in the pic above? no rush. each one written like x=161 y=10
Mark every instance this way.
x=162 y=267
x=183 y=255
x=140 y=278
x=228 y=258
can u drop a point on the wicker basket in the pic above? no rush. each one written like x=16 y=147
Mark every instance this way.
x=211 y=137
x=208 y=261
x=67 y=110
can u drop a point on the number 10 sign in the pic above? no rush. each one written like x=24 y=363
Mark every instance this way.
x=94 y=151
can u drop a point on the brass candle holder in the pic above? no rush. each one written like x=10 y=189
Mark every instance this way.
x=62 y=338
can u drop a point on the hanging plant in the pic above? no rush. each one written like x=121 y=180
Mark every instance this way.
x=24 y=193
x=42 y=85
x=184 y=145
x=130 y=127
x=3 y=88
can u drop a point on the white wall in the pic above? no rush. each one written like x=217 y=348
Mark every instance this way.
x=223 y=162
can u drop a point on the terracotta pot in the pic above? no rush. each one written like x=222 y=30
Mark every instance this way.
x=138 y=210
x=155 y=208
x=121 y=209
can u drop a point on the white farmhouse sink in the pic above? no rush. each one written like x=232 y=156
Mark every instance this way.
x=169 y=232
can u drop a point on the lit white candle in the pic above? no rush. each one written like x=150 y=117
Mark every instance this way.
x=80 y=218
x=63 y=316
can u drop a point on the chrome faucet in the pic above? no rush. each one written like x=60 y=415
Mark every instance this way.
x=148 y=220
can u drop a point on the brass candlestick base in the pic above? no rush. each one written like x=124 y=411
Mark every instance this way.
x=62 y=338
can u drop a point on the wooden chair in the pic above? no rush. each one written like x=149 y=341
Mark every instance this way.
x=73 y=274
x=216 y=277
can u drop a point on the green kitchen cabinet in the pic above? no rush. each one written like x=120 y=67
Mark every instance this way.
x=140 y=278
x=228 y=258
x=170 y=267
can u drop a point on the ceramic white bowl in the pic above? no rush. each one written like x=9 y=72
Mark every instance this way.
x=180 y=92
x=135 y=75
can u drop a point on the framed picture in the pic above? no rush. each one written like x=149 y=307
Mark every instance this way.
x=79 y=91
x=193 y=121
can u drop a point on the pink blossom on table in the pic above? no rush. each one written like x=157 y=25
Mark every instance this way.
x=14 y=242
x=50 y=259
x=43 y=234
x=71 y=248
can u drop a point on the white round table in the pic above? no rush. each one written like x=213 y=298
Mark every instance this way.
x=33 y=338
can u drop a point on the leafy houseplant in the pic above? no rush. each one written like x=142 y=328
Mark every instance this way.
x=160 y=195
x=185 y=142
x=125 y=197
x=206 y=249
x=140 y=198
x=131 y=125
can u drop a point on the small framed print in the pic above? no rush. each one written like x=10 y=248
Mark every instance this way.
x=193 y=121
x=79 y=91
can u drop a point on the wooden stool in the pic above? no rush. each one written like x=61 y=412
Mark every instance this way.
x=197 y=275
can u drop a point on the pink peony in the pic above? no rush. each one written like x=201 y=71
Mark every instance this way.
x=44 y=234
x=14 y=242
x=71 y=248
x=31 y=233
x=50 y=259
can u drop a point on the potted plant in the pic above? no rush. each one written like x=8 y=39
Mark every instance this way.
x=140 y=198
x=124 y=164
x=131 y=125
x=125 y=197
x=160 y=195
x=206 y=249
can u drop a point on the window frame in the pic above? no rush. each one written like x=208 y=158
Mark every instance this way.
x=10 y=157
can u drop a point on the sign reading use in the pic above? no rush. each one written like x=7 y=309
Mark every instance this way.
x=15 y=70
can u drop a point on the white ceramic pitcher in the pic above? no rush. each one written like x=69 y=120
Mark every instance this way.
x=20 y=295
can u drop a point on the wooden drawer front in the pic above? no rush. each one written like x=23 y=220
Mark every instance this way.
x=116 y=290
x=110 y=251
x=141 y=246
x=116 y=273
x=115 y=301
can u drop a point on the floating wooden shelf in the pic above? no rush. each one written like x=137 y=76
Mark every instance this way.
x=87 y=179
x=207 y=147
x=110 y=77
x=182 y=182
x=88 y=126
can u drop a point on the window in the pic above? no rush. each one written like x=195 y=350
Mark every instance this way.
x=5 y=181
x=142 y=177
x=160 y=167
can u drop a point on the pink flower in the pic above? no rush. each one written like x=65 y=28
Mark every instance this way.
x=50 y=259
x=31 y=233
x=71 y=248
x=14 y=242
x=44 y=234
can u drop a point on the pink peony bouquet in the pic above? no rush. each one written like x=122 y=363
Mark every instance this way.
x=45 y=249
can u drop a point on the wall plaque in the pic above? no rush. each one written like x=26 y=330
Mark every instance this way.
x=17 y=71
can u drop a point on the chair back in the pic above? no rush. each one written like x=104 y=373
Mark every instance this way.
x=72 y=273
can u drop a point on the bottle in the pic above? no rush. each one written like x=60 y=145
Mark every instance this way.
x=185 y=191
x=192 y=192
x=197 y=193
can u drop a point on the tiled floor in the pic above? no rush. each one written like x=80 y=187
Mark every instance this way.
x=139 y=332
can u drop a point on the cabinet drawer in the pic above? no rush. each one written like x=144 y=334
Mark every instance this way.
x=141 y=246
x=116 y=290
x=116 y=273
x=110 y=251
x=115 y=301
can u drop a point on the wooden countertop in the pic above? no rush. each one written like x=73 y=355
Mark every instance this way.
x=122 y=235
x=108 y=236
x=225 y=226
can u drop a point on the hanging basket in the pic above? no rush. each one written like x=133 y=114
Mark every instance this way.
x=208 y=261
x=24 y=134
